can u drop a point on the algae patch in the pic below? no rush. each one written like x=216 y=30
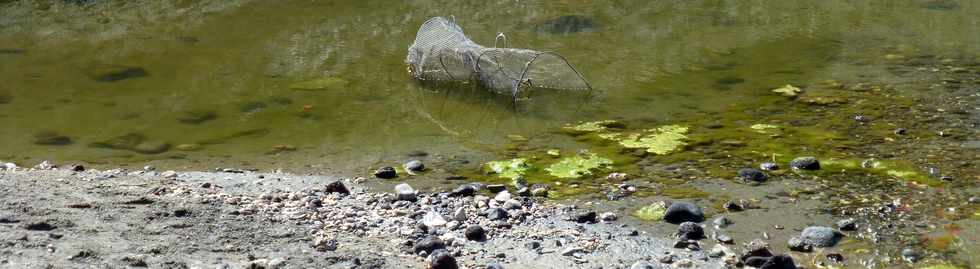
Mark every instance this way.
x=764 y=128
x=653 y=212
x=593 y=126
x=577 y=166
x=662 y=140
x=788 y=90
x=513 y=168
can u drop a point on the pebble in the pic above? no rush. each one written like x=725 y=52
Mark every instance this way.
x=414 y=166
x=751 y=174
x=690 y=230
x=336 y=187
x=433 y=220
x=44 y=165
x=900 y=131
x=911 y=255
x=405 y=192
x=724 y=239
x=170 y=174
x=717 y=251
x=512 y=204
x=805 y=163
x=608 y=216
x=495 y=188
x=442 y=259
x=494 y=265
x=475 y=233
x=8 y=166
x=502 y=196
x=570 y=251
x=848 y=224
x=680 y=212
x=769 y=166
x=819 y=236
x=386 y=172
x=497 y=214
x=463 y=190
x=460 y=215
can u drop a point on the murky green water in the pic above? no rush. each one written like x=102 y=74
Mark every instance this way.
x=204 y=84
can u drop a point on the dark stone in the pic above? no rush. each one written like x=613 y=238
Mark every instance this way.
x=848 y=224
x=901 y=131
x=533 y=245
x=428 y=244
x=642 y=265
x=690 y=230
x=495 y=188
x=679 y=212
x=39 y=226
x=180 y=213
x=724 y=239
x=336 y=187
x=566 y=24
x=417 y=153
x=51 y=138
x=586 y=217
x=819 y=236
x=911 y=255
x=805 y=163
x=835 y=257
x=475 y=233
x=756 y=261
x=76 y=167
x=386 y=172
x=732 y=206
x=442 y=259
x=8 y=220
x=197 y=116
x=751 y=174
x=113 y=73
x=861 y=118
x=497 y=214
x=781 y=261
x=756 y=248
x=463 y=190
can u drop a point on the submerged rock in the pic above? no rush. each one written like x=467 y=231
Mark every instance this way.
x=752 y=175
x=113 y=73
x=321 y=84
x=566 y=24
x=151 y=147
x=679 y=212
x=819 y=236
x=51 y=138
x=781 y=261
x=386 y=172
x=197 y=116
x=414 y=165
x=805 y=163
x=941 y=5
x=690 y=230
x=428 y=244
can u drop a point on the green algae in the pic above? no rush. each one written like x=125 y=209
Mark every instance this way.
x=652 y=212
x=511 y=169
x=577 y=166
x=764 y=128
x=662 y=140
x=788 y=90
x=593 y=126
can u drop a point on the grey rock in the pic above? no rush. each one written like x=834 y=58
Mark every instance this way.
x=680 y=212
x=502 y=196
x=722 y=222
x=848 y=224
x=494 y=265
x=512 y=204
x=752 y=175
x=608 y=216
x=724 y=239
x=463 y=190
x=497 y=214
x=460 y=215
x=415 y=166
x=911 y=255
x=756 y=248
x=404 y=192
x=690 y=230
x=819 y=236
x=797 y=244
x=805 y=163
x=585 y=217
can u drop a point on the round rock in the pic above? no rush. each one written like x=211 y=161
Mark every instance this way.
x=819 y=236
x=414 y=165
x=690 y=230
x=752 y=175
x=475 y=233
x=442 y=259
x=386 y=172
x=805 y=163
x=680 y=212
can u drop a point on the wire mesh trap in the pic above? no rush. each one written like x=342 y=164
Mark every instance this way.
x=442 y=53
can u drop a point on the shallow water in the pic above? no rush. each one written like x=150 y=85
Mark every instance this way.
x=204 y=84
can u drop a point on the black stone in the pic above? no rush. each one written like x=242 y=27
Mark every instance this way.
x=835 y=257
x=586 y=217
x=386 y=172
x=475 y=233
x=113 y=73
x=39 y=226
x=463 y=190
x=847 y=225
x=50 y=138
x=751 y=174
x=495 y=188
x=805 y=163
x=680 y=212
x=782 y=261
x=442 y=259
x=76 y=167
x=428 y=244
x=336 y=187
x=756 y=261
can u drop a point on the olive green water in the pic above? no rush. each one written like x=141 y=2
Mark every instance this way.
x=208 y=82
